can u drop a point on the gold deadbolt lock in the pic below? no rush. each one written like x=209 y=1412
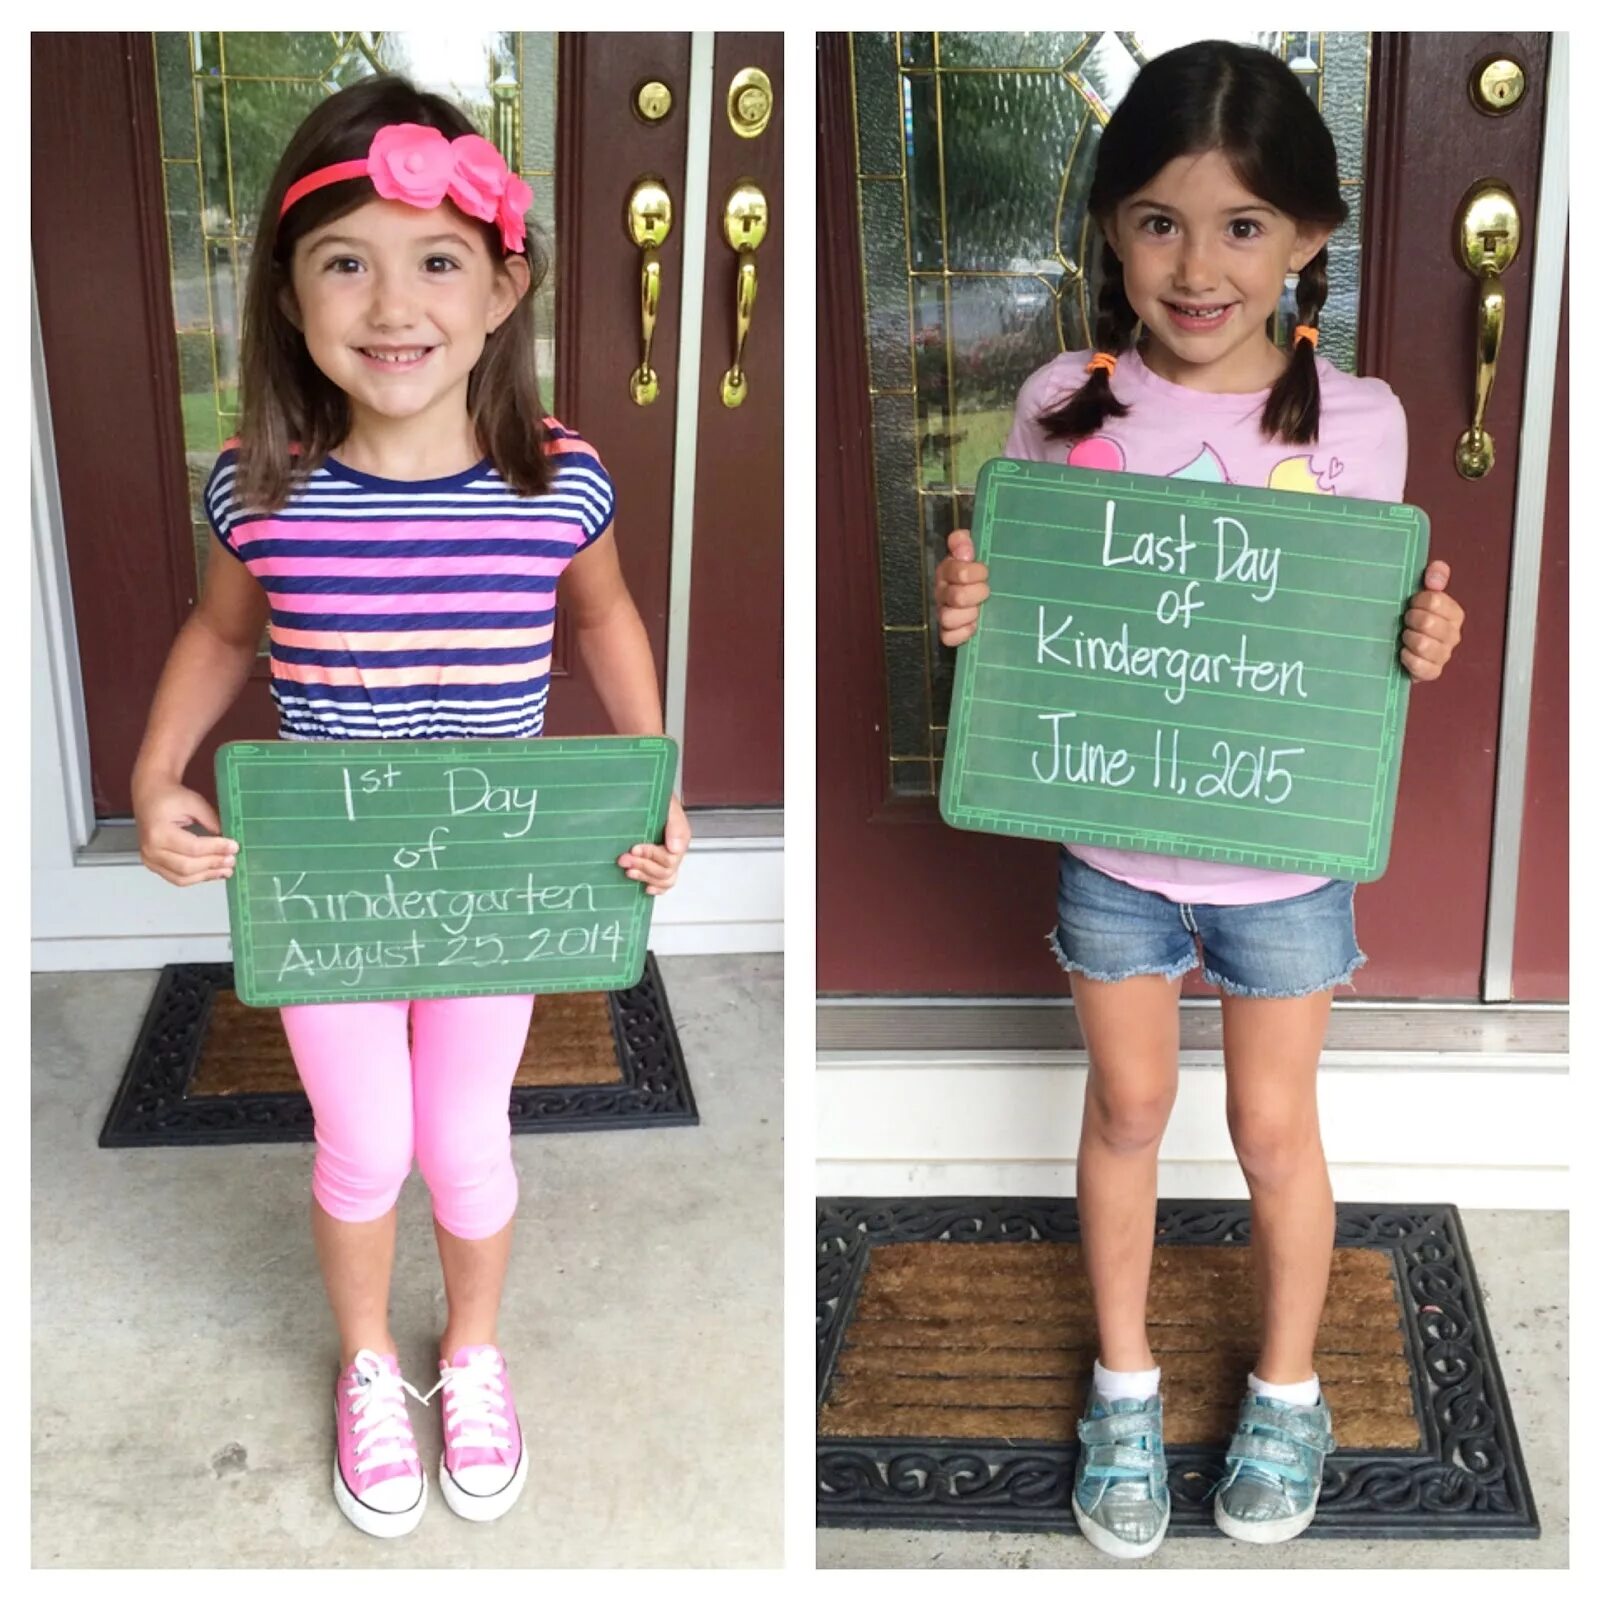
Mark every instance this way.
x=750 y=102
x=1498 y=85
x=653 y=101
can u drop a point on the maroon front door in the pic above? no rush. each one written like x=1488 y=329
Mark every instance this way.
x=907 y=905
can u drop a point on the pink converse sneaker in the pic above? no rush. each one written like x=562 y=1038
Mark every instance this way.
x=378 y=1480
x=483 y=1467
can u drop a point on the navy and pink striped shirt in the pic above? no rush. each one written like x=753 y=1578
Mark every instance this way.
x=414 y=610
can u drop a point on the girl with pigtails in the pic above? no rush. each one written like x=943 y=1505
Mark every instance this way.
x=397 y=512
x=1215 y=184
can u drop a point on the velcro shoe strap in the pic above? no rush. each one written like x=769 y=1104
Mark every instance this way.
x=1122 y=1457
x=1261 y=1447
x=1308 y=1424
x=1121 y=1425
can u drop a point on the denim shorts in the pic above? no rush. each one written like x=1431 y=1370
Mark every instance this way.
x=1278 y=949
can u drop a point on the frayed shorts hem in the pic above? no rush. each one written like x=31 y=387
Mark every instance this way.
x=1178 y=969
x=1175 y=970
x=1245 y=991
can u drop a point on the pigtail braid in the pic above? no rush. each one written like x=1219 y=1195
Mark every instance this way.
x=1293 y=410
x=1087 y=408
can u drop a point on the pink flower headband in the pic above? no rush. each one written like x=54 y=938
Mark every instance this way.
x=409 y=162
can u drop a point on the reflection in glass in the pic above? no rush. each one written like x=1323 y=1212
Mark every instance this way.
x=228 y=103
x=974 y=156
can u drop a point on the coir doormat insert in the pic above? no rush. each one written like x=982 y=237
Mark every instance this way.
x=208 y=1070
x=955 y=1342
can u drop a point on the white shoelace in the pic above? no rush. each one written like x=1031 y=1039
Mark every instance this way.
x=474 y=1403
x=379 y=1425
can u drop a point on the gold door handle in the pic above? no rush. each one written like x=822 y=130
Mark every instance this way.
x=744 y=226
x=1488 y=231
x=649 y=222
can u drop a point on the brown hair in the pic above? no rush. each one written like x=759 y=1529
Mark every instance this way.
x=1246 y=103
x=285 y=399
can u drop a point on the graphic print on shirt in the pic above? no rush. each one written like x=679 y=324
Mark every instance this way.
x=414 y=610
x=1293 y=472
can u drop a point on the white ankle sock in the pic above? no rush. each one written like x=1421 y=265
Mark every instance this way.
x=1126 y=1385
x=1295 y=1394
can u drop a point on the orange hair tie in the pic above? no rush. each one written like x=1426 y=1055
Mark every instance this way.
x=1304 y=330
x=1101 y=362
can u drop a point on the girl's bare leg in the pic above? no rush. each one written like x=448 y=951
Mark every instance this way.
x=474 y=1277
x=357 y=1261
x=1131 y=1030
x=1271 y=1048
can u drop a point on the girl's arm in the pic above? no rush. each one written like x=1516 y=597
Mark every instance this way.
x=610 y=638
x=612 y=644
x=208 y=665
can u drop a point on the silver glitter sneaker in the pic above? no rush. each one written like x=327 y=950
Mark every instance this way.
x=1119 y=1494
x=1274 y=1475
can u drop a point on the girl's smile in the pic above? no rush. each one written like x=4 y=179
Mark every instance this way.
x=1188 y=323
x=395 y=361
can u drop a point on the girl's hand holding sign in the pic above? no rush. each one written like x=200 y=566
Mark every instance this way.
x=1433 y=626
x=961 y=585
x=166 y=844
x=656 y=865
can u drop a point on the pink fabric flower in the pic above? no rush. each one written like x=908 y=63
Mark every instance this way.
x=417 y=164
x=515 y=202
x=411 y=163
x=480 y=174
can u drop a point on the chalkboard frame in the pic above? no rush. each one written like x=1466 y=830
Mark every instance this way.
x=660 y=754
x=1408 y=522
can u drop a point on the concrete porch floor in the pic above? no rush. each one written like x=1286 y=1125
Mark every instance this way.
x=1521 y=1261
x=184 y=1354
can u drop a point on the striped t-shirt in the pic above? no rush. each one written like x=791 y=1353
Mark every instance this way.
x=414 y=610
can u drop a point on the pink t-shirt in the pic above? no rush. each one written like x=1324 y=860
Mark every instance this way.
x=1173 y=432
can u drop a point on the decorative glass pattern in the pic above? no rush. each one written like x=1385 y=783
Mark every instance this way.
x=974 y=153
x=228 y=104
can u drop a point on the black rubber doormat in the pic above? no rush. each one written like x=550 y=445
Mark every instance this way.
x=954 y=1340
x=207 y=1070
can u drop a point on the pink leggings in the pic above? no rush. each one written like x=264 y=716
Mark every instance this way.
x=444 y=1097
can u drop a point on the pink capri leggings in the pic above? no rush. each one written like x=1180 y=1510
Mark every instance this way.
x=443 y=1096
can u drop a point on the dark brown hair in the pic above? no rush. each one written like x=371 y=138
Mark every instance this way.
x=1247 y=104
x=284 y=397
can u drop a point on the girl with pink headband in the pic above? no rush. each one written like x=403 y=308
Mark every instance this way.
x=397 y=510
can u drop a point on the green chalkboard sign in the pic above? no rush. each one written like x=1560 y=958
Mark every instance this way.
x=401 y=869
x=1190 y=669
